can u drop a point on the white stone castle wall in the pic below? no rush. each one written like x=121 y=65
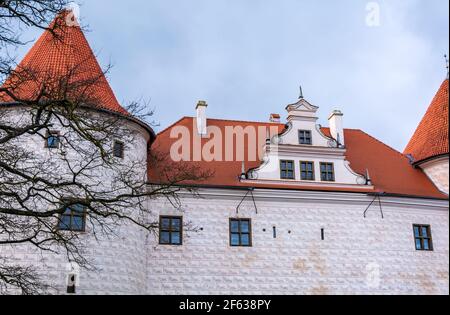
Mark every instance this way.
x=438 y=172
x=346 y=262
x=120 y=259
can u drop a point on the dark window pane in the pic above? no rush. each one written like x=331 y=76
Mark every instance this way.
x=176 y=224
x=118 y=149
x=245 y=239
x=52 y=141
x=77 y=223
x=310 y=166
x=235 y=226
x=235 y=239
x=418 y=244
x=416 y=231
x=176 y=238
x=244 y=226
x=64 y=223
x=426 y=245
x=77 y=208
x=165 y=238
x=424 y=231
x=165 y=223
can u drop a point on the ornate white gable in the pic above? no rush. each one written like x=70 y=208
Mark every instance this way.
x=302 y=117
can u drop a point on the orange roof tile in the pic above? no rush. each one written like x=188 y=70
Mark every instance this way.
x=53 y=60
x=390 y=170
x=431 y=136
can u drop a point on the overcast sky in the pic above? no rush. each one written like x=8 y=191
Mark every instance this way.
x=246 y=58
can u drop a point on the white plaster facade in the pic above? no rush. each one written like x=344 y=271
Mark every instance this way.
x=358 y=255
x=438 y=171
x=355 y=251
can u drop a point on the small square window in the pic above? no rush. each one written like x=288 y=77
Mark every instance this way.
x=52 y=140
x=287 y=169
x=118 y=149
x=73 y=219
x=327 y=172
x=304 y=137
x=307 y=170
x=240 y=232
x=422 y=237
x=170 y=230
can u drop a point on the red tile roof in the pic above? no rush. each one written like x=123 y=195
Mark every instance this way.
x=390 y=170
x=431 y=136
x=53 y=60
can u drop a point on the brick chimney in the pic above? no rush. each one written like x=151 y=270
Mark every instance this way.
x=274 y=118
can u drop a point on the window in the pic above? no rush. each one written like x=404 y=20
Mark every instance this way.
x=170 y=230
x=422 y=237
x=240 y=232
x=304 y=137
x=118 y=149
x=287 y=169
x=73 y=219
x=52 y=140
x=327 y=172
x=306 y=170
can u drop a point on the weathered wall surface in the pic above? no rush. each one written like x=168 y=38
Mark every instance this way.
x=438 y=172
x=119 y=257
x=358 y=256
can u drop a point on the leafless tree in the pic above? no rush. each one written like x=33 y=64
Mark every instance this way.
x=37 y=187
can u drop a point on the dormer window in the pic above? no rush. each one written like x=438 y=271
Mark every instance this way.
x=118 y=149
x=287 y=169
x=327 y=172
x=52 y=141
x=304 y=137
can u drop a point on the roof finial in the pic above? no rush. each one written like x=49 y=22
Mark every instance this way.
x=301 y=93
x=446 y=64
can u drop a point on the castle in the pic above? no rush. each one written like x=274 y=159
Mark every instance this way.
x=291 y=207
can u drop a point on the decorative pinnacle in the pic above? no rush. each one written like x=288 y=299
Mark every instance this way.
x=301 y=93
x=446 y=64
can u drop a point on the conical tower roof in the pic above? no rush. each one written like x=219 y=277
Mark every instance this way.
x=431 y=136
x=62 y=65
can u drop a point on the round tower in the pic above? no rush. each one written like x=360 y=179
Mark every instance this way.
x=428 y=147
x=62 y=68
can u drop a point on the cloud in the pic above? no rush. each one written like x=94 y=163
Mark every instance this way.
x=248 y=57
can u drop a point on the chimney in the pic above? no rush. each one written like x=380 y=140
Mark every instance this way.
x=275 y=118
x=337 y=126
x=201 y=118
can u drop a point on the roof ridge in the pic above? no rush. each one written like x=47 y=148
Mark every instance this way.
x=172 y=125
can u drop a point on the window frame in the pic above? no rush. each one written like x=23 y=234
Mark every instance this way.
x=304 y=131
x=122 y=152
x=327 y=172
x=249 y=233
x=293 y=170
x=70 y=227
x=422 y=238
x=170 y=230
x=313 y=170
x=55 y=134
